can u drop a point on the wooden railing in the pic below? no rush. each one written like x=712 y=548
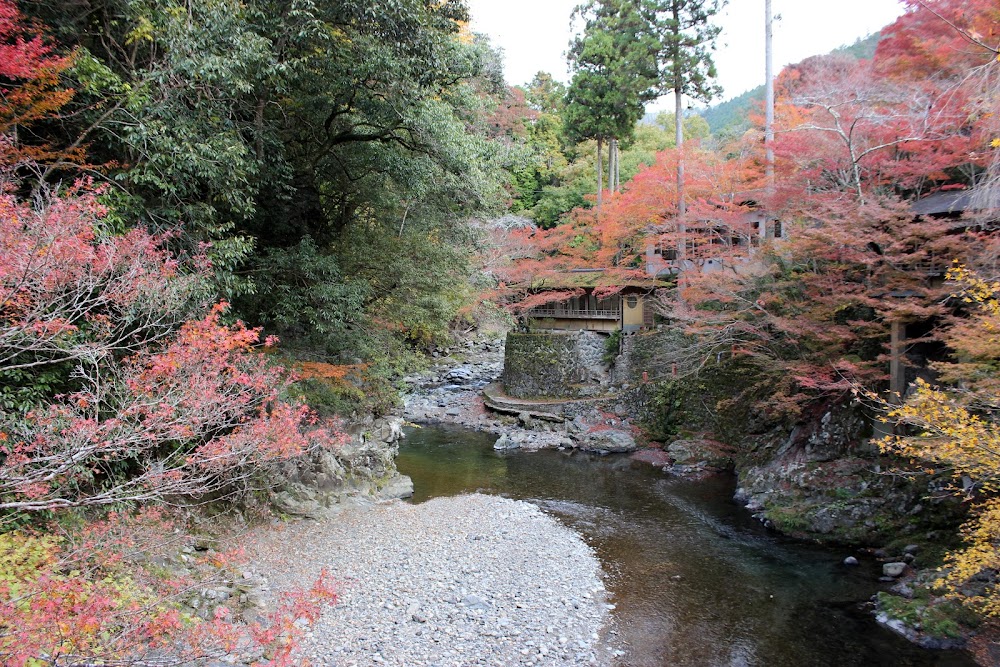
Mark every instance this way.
x=926 y=267
x=568 y=313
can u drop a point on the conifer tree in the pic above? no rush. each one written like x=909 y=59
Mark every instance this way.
x=685 y=37
x=614 y=75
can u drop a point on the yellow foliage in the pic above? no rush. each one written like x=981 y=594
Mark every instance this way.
x=949 y=434
x=958 y=427
x=465 y=35
x=981 y=534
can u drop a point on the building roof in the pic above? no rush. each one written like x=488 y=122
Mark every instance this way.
x=589 y=278
x=942 y=203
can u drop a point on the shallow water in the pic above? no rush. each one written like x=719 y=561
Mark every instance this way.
x=696 y=580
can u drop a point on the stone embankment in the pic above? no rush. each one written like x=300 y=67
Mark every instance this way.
x=469 y=580
x=462 y=388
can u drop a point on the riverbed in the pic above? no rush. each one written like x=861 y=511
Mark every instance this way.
x=695 y=579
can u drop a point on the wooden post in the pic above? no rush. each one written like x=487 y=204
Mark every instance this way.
x=897 y=370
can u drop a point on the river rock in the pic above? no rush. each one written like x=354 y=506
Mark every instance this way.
x=609 y=440
x=654 y=457
x=699 y=452
x=462 y=373
x=399 y=486
x=850 y=560
x=505 y=442
x=921 y=639
x=893 y=569
x=358 y=470
x=467 y=580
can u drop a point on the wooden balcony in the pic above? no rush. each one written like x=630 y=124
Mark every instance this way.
x=931 y=267
x=574 y=314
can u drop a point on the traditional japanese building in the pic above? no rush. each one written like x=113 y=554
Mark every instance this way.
x=600 y=302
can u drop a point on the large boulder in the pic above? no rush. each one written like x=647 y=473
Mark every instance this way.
x=505 y=442
x=361 y=469
x=608 y=440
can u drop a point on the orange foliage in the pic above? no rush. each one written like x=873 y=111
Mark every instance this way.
x=320 y=370
x=31 y=88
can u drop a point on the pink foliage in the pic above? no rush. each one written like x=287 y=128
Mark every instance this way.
x=188 y=405
x=89 y=598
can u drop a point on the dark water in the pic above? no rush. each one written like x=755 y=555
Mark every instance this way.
x=696 y=580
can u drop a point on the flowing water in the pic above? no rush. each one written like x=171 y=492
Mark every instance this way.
x=696 y=580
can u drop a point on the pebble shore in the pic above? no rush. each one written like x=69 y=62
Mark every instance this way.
x=461 y=581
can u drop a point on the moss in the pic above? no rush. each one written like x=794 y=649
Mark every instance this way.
x=540 y=365
x=937 y=619
x=789 y=518
x=719 y=399
x=612 y=346
x=844 y=493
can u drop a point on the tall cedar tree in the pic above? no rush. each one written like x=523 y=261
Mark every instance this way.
x=614 y=75
x=686 y=39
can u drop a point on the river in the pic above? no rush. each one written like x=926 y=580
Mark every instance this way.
x=695 y=579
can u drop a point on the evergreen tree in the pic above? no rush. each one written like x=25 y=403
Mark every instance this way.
x=614 y=75
x=685 y=37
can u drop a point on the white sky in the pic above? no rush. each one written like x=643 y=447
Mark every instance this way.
x=534 y=34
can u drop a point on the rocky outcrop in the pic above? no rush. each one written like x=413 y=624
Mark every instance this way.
x=361 y=470
x=462 y=389
x=825 y=480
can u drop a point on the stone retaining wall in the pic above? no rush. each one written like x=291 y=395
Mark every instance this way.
x=554 y=364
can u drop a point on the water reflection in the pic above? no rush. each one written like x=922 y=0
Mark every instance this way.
x=696 y=580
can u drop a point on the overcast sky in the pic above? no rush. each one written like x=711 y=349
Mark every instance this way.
x=534 y=34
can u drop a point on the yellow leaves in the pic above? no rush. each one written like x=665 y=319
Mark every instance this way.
x=995 y=143
x=975 y=290
x=981 y=535
x=949 y=427
x=143 y=32
x=464 y=35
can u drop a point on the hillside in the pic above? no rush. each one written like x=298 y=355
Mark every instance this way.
x=732 y=115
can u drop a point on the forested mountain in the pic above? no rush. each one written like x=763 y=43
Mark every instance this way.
x=733 y=114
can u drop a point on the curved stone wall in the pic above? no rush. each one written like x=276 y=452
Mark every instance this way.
x=554 y=364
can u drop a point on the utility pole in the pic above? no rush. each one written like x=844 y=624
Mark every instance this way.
x=768 y=99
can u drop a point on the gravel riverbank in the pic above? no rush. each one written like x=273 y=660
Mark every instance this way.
x=467 y=580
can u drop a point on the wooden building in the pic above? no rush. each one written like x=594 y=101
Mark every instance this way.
x=600 y=302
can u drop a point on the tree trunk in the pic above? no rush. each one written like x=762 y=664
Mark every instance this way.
x=618 y=168
x=679 y=138
x=613 y=165
x=768 y=99
x=600 y=175
x=897 y=360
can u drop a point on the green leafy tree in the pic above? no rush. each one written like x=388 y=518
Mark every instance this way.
x=545 y=94
x=294 y=138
